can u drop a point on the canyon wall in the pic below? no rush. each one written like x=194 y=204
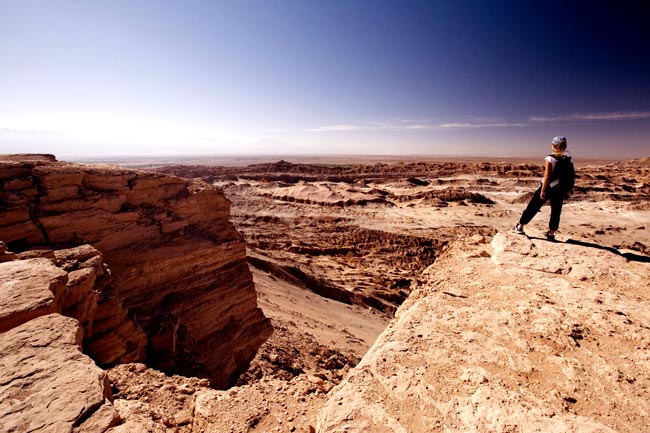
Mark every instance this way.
x=179 y=293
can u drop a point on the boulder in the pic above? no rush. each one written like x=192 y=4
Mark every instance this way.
x=47 y=384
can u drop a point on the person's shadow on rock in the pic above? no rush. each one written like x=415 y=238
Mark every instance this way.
x=630 y=256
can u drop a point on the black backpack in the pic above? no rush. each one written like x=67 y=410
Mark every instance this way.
x=564 y=175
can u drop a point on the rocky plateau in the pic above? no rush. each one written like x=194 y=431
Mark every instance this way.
x=399 y=298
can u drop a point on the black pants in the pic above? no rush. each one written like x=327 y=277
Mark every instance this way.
x=536 y=203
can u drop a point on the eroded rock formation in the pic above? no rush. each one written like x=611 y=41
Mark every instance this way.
x=177 y=264
x=74 y=282
x=47 y=384
x=525 y=335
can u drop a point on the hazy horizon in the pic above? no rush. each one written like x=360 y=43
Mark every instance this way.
x=163 y=79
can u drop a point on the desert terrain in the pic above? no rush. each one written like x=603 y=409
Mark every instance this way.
x=358 y=238
x=399 y=299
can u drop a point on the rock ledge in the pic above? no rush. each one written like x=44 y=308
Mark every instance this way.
x=525 y=335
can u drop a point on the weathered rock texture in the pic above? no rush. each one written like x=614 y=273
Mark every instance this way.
x=177 y=263
x=28 y=289
x=75 y=283
x=47 y=384
x=525 y=335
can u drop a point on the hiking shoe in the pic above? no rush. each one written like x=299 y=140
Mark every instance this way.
x=519 y=229
x=549 y=236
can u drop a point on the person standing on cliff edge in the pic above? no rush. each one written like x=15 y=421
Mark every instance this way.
x=556 y=186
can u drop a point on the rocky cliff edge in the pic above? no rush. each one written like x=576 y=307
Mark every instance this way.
x=521 y=335
x=167 y=282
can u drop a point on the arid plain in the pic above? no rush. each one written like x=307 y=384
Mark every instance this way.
x=341 y=249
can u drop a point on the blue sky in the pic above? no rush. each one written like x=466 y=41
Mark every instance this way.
x=329 y=77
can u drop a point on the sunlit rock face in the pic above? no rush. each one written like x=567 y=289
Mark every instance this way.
x=74 y=282
x=47 y=384
x=177 y=266
x=523 y=334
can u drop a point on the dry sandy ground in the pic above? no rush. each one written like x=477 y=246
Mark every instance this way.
x=333 y=258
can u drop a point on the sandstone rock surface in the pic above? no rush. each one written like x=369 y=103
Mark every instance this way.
x=525 y=335
x=72 y=282
x=47 y=384
x=177 y=263
x=28 y=289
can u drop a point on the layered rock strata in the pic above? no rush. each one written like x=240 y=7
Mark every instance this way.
x=46 y=382
x=525 y=335
x=76 y=283
x=284 y=171
x=178 y=265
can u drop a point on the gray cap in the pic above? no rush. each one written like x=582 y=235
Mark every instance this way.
x=559 y=141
